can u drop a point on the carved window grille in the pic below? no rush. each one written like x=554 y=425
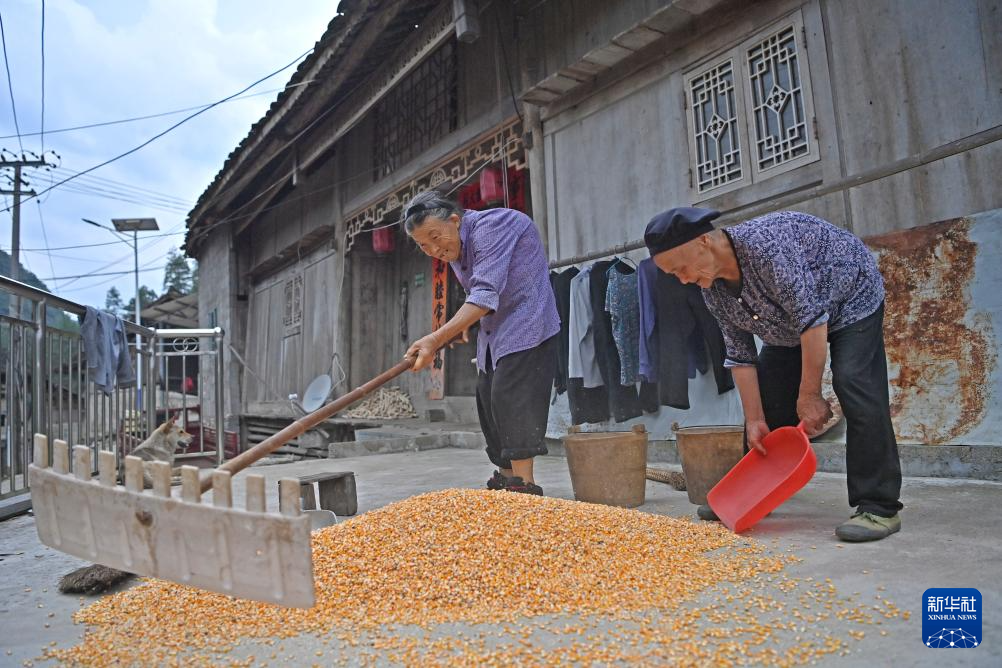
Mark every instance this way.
x=750 y=111
x=714 y=114
x=777 y=104
x=293 y=316
x=417 y=112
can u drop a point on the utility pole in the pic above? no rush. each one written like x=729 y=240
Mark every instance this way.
x=19 y=163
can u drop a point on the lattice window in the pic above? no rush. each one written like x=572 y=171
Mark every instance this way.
x=293 y=316
x=750 y=111
x=777 y=100
x=417 y=112
x=714 y=115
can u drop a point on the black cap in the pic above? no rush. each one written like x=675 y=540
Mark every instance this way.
x=675 y=227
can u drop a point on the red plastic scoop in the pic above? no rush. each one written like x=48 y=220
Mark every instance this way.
x=759 y=484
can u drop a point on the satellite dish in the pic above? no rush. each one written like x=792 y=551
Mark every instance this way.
x=316 y=393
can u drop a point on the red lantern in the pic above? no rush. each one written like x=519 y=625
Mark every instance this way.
x=491 y=186
x=383 y=240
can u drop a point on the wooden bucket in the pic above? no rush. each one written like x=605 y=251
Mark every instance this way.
x=707 y=454
x=608 y=467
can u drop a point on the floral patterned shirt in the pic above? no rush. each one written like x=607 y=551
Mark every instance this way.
x=797 y=271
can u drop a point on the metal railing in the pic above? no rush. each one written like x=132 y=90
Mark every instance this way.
x=45 y=387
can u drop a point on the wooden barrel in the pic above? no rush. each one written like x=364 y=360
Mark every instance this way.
x=707 y=454
x=608 y=467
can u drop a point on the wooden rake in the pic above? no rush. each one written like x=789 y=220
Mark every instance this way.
x=244 y=552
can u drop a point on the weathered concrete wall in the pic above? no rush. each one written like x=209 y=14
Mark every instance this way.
x=943 y=320
x=886 y=78
x=217 y=295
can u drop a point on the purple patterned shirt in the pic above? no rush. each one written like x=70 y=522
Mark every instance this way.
x=797 y=271
x=502 y=266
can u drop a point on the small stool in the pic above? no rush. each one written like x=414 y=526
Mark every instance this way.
x=337 y=492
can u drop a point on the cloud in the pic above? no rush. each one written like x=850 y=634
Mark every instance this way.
x=123 y=58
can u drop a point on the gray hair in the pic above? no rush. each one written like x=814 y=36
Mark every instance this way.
x=429 y=203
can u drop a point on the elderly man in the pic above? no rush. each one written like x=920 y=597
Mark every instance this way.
x=801 y=285
x=498 y=257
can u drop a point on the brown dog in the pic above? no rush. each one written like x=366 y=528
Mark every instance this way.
x=160 y=447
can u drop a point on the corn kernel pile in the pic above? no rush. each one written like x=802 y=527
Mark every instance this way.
x=533 y=580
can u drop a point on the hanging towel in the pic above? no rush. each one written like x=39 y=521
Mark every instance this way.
x=107 y=350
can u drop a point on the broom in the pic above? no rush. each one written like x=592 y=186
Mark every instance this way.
x=674 y=478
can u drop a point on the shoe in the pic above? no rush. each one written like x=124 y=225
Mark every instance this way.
x=705 y=512
x=862 y=527
x=518 y=485
x=497 y=481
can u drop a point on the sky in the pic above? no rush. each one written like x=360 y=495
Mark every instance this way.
x=108 y=60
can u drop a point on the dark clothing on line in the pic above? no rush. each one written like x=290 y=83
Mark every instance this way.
x=513 y=402
x=587 y=404
x=624 y=403
x=682 y=314
x=561 y=283
x=859 y=376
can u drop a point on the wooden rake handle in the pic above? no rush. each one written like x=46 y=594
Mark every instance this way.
x=272 y=443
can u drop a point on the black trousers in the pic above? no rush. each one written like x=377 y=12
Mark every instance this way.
x=513 y=403
x=859 y=377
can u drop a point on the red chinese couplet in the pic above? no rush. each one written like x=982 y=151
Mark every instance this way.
x=439 y=295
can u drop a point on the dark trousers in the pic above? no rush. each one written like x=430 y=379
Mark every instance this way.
x=859 y=377
x=513 y=403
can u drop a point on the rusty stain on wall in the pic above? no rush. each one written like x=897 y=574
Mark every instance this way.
x=941 y=360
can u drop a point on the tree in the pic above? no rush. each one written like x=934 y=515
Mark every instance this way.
x=178 y=273
x=146 y=297
x=194 y=276
x=113 y=302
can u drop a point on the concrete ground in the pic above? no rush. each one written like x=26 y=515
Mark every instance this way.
x=952 y=537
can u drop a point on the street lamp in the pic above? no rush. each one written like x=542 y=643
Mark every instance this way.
x=136 y=225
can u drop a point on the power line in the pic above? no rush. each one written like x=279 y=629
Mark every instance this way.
x=43 y=79
x=97 y=192
x=176 y=125
x=91 y=179
x=106 y=273
x=105 y=281
x=45 y=237
x=123 y=258
x=75 y=258
x=10 y=84
x=157 y=115
x=105 y=243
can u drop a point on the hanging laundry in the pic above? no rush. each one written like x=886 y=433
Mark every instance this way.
x=623 y=306
x=624 y=403
x=682 y=314
x=581 y=357
x=647 y=351
x=561 y=284
x=107 y=351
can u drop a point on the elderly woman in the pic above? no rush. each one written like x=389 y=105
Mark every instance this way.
x=802 y=285
x=499 y=260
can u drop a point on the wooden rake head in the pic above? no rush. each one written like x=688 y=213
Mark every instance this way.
x=243 y=552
